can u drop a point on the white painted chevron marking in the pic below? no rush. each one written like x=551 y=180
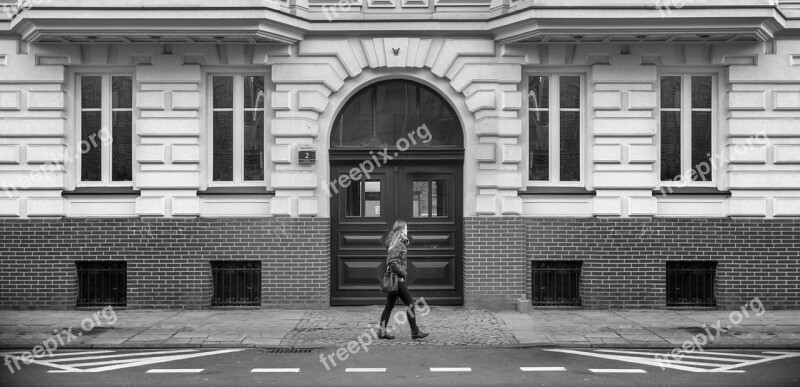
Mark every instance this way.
x=145 y=354
x=161 y=359
x=786 y=355
x=631 y=359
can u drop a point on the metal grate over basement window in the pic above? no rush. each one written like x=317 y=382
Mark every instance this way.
x=236 y=283
x=691 y=283
x=556 y=283
x=102 y=283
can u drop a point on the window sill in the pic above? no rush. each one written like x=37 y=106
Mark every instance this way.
x=102 y=191
x=212 y=191
x=557 y=191
x=703 y=191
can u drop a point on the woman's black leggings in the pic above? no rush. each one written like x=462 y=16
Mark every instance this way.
x=391 y=299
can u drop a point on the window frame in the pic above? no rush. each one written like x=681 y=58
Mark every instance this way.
x=106 y=119
x=238 y=110
x=686 y=127
x=554 y=111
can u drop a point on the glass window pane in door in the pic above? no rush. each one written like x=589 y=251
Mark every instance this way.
x=671 y=92
x=372 y=198
x=223 y=92
x=570 y=146
x=420 y=197
x=439 y=198
x=353 y=199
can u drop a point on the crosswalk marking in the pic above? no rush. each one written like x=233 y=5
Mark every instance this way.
x=365 y=370
x=534 y=369
x=706 y=361
x=618 y=370
x=275 y=370
x=174 y=371
x=451 y=369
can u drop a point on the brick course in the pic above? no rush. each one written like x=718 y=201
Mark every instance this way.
x=168 y=259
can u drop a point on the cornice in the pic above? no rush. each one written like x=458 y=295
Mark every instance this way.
x=541 y=21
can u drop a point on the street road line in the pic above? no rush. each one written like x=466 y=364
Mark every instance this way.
x=618 y=370
x=669 y=355
x=160 y=359
x=530 y=369
x=631 y=359
x=56 y=354
x=751 y=362
x=365 y=370
x=451 y=369
x=275 y=370
x=174 y=371
x=145 y=354
x=734 y=354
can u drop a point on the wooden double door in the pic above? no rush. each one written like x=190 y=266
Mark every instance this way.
x=428 y=196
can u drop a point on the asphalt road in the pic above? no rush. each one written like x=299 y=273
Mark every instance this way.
x=406 y=366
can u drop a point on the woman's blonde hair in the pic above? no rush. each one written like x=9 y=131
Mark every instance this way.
x=396 y=234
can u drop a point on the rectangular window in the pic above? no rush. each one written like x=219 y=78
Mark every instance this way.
x=555 y=117
x=102 y=283
x=238 y=107
x=236 y=283
x=686 y=128
x=106 y=128
x=556 y=283
x=691 y=283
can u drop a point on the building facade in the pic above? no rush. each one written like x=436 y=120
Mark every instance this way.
x=600 y=154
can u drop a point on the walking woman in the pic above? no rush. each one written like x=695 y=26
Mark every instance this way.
x=396 y=260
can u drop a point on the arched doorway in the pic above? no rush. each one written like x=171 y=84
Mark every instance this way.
x=405 y=144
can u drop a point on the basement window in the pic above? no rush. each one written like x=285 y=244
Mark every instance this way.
x=556 y=283
x=236 y=283
x=691 y=283
x=102 y=283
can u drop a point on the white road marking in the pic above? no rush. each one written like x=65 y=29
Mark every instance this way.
x=631 y=359
x=365 y=370
x=275 y=370
x=664 y=360
x=617 y=370
x=146 y=361
x=177 y=351
x=451 y=369
x=174 y=371
x=55 y=354
x=63 y=368
x=751 y=362
x=534 y=369
x=668 y=355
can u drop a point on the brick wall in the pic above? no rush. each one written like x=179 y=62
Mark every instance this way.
x=624 y=260
x=168 y=259
x=494 y=261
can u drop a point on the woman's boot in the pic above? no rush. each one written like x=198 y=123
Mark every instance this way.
x=418 y=335
x=382 y=334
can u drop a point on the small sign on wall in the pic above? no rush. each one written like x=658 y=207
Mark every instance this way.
x=306 y=154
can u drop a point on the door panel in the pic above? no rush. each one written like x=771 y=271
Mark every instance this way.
x=428 y=198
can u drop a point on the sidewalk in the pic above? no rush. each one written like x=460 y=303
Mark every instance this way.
x=448 y=326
